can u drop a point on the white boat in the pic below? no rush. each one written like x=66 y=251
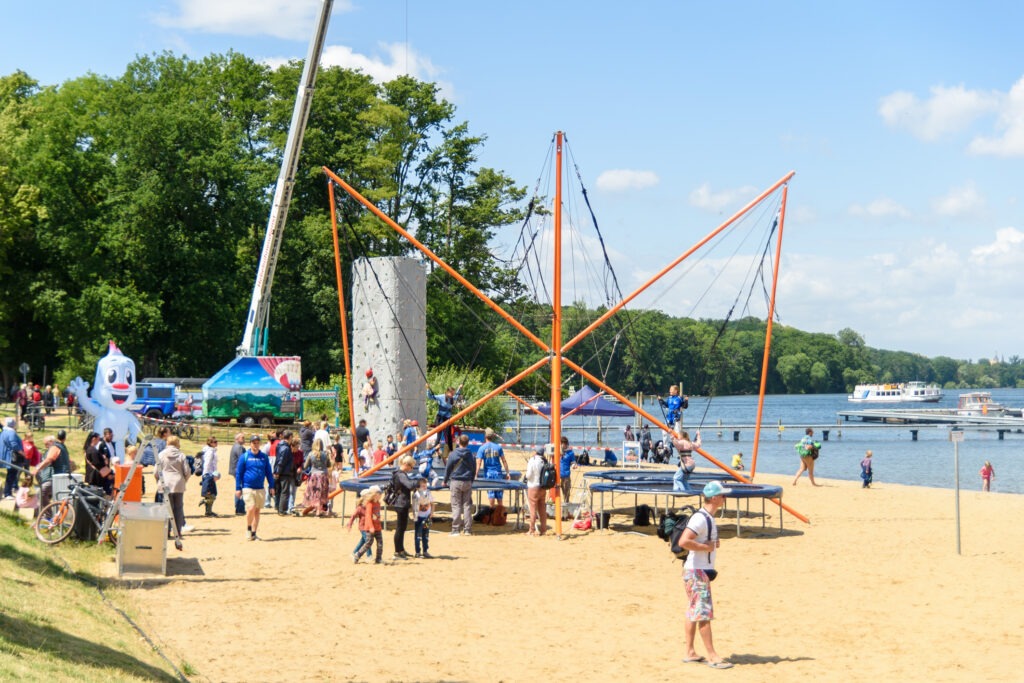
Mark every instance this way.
x=979 y=404
x=897 y=392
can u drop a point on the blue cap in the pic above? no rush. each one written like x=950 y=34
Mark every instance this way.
x=715 y=488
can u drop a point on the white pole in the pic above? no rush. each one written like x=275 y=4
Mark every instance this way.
x=957 y=436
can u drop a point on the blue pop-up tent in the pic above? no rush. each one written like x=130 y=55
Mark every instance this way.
x=599 y=406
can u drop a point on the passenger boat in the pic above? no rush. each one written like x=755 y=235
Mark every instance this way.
x=899 y=392
x=979 y=404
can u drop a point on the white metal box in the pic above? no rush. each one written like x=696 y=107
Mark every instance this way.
x=142 y=547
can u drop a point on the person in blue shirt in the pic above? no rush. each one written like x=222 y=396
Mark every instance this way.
x=445 y=405
x=566 y=465
x=409 y=434
x=425 y=460
x=674 y=405
x=491 y=464
x=252 y=470
x=12 y=452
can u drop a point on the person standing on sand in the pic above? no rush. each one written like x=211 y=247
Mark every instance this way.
x=403 y=481
x=459 y=473
x=253 y=469
x=701 y=538
x=866 y=473
x=987 y=473
x=534 y=492
x=808 y=449
x=237 y=449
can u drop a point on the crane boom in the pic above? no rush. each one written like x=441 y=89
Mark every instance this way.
x=254 y=339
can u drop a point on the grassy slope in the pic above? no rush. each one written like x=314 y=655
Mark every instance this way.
x=54 y=625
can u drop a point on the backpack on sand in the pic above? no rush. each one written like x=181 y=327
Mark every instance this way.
x=642 y=516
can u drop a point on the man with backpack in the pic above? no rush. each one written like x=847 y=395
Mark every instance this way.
x=700 y=538
x=540 y=476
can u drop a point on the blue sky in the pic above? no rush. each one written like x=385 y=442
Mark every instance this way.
x=904 y=123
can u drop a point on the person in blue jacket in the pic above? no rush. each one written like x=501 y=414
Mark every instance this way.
x=674 y=405
x=253 y=469
x=445 y=405
x=566 y=464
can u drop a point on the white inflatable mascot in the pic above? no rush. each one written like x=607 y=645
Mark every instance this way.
x=112 y=397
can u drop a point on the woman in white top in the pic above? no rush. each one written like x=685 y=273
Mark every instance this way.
x=534 y=493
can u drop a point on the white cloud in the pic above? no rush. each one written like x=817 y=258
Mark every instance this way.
x=1007 y=250
x=880 y=208
x=704 y=198
x=948 y=110
x=951 y=110
x=959 y=201
x=396 y=61
x=288 y=19
x=1010 y=122
x=617 y=180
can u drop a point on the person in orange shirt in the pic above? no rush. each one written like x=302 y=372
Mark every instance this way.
x=370 y=523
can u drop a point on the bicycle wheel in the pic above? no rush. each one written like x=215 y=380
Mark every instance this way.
x=55 y=522
x=114 y=534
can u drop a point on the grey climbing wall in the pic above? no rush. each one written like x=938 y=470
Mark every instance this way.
x=389 y=335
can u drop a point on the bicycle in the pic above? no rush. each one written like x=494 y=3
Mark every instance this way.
x=56 y=521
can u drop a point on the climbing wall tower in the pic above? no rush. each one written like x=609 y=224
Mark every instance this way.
x=389 y=336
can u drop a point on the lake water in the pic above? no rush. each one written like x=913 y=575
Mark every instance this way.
x=897 y=458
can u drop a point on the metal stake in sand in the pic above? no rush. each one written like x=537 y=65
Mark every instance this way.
x=956 y=435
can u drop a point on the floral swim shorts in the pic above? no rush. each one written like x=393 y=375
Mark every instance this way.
x=698 y=592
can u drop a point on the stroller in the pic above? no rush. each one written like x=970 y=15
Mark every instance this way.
x=661 y=452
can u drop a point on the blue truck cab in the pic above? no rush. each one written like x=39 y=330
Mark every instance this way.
x=155 y=399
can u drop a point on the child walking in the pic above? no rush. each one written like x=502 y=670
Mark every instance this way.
x=370 y=523
x=423 y=504
x=358 y=514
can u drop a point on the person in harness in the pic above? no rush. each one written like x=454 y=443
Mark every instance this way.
x=445 y=405
x=674 y=406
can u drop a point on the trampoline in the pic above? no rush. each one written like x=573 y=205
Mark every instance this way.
x=649 y=476
x=357 y=484
x=663 y=487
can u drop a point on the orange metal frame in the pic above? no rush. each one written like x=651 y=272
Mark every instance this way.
x=557 y=348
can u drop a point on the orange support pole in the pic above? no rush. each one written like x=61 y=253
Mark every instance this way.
x=721 y=465
x=454 y=418
x=556 y=338
x=531 y=408
x=435 y=258
x=342 y=318
x=768 y=333
x=584 y=404
x=615 y=309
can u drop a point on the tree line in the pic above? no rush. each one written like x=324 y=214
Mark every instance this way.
x=134 y=208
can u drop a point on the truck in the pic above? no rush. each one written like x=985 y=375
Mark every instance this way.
x=257 y=388
x=253 y=390
x=155 y=399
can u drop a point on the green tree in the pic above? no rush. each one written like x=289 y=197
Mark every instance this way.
x=795 y=370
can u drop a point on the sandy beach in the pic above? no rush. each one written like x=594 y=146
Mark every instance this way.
x=871 y=589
